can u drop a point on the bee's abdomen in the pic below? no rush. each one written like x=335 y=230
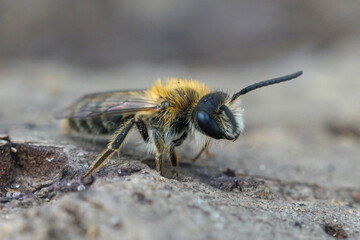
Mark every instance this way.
x=95 y=126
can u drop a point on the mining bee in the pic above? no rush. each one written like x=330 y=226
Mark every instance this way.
x=165 y=115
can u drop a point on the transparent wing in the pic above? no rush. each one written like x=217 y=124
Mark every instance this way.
x=109 y=104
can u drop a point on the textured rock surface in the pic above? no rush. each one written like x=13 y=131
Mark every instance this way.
x=294 y=174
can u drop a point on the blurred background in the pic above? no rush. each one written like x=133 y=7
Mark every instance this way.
x=52 y=52
x=109 y=33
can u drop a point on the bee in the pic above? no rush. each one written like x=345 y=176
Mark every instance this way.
x=165 y=115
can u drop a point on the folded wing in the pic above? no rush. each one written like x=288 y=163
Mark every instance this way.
x=109 y=104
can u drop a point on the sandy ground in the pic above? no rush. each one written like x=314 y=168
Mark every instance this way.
x=293 y=174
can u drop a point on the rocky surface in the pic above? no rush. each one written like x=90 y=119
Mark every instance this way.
x=294 y=173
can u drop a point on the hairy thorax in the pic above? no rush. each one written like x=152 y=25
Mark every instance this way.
x=178 y=97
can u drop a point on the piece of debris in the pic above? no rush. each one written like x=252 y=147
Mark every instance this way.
x=335 y=230
x=349 y=131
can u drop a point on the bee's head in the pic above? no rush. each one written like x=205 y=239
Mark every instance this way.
x=219 y=116
x=214 y=117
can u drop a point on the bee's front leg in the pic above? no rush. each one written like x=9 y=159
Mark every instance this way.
x=159 y=150
x=174 y=159
x=113 y=146
x=204 y=148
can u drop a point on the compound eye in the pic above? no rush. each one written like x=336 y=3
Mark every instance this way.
x=208 y=125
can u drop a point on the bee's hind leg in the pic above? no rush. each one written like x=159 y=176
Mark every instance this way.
x=118 y=154
x=159 y=150
x=113 y=146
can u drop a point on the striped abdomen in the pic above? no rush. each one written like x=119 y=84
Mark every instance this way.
x=94 y=126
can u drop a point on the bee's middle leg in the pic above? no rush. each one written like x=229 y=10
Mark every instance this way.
x=143 y=130
x=159 y=150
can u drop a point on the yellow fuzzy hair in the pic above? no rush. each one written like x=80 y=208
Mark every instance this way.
x=166 y=90
x=179 y=102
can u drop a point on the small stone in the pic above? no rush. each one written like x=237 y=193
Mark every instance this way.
x=356 y=197
x=88 y=181
x=115 y=221
x=16 y=194
x=81 y=188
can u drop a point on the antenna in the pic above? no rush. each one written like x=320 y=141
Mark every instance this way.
x=265 y=83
